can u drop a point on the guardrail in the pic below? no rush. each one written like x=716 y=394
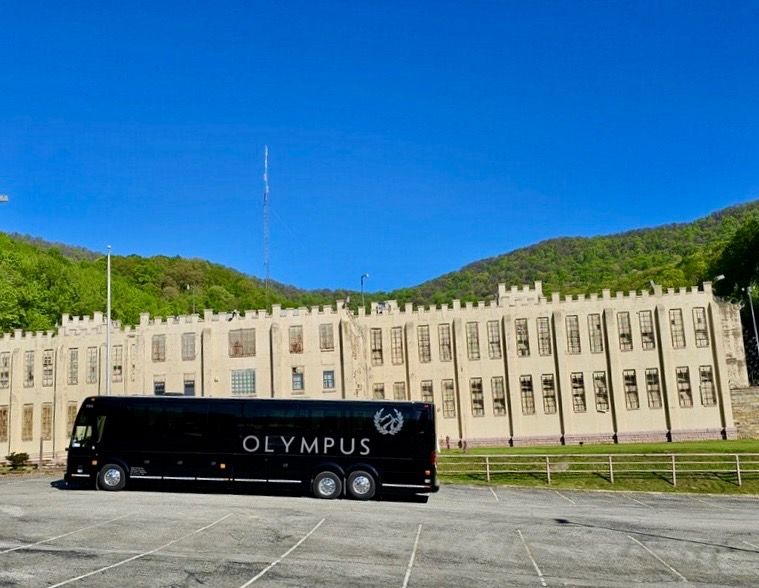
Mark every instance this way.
x=606 y=465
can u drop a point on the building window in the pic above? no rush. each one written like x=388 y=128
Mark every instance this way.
x=425 y=353
x=117 y=361
x=646 y=329
x=478 y=400
x=652 y=388
x=244 y=382
x=625 y=331
x=159 y=385
x=73 y=375
x=528 y=397
x=444 y=333
x=71 y=410
x=3 y=424
x=376 y=340
x=328 y=379
x=378 y=391
x=296 y=339
x=92 y=365
x=46 y=421
x=549 y=393
x=523 y=337
x=699 y=326
x=299 y=384
x=472 y=341
x=706 y=387
x=578 y=392
x=396 y=345
x=632 y=402
x=28 y=369
x=188 y=346
x=399 y=390
x=242 y=343
x=573 y=334
x=601 y=391
x=684 y=392
x=596 y=333
x=189 y=384
x=494 y=340
x=159 y=348
x=27 y=422
x=449 y=400
x=544 y=336
x=326 y=337
x=5 y=369
x=427 y=395
x=47 y=367
x=499 y=396
x=676 y=328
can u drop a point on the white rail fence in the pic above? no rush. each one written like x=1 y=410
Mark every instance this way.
x=732 y=466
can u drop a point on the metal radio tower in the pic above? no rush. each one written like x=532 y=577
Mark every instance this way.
x=266 y=220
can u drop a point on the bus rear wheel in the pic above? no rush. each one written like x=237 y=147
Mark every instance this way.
x=112 y=477
x=327 y=485
x=361 y=485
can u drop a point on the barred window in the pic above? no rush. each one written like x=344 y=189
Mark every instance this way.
x=188 y=381
x=159 y=385
x=449 y=400
x=427 y=395
x=573 y=334
x=188 y=346
x=378 y=391
x=684 y=392
x=27 y=422
x=117 y=361
x=28 y=369
x=399 y=390
x=244 y=382
x=632 y=402
x=653 y=388
x=544 y=336
x=676 y=328
x=578 y=392
x=47 y=367
x=478 y=400
x=601 y=391
x=708 y=395
x=549 y=394
x=46 y=421
x=396 y=345
x=71 y=410
x=523 y=337
x=700 y=328
x=3 y=424
x=423 y=334
x=328 y=379
x=596 y=333
x=5 y=369
x=295 y=335
x=494 y=340
x=472 y=341
x=646 y=321
x=242 y=343
x=326 y=337
x=298 y=379
x=73 y=373
x=159 y=348
x=92 y=365
x=444 y=334
x=625 y=331
x=528 y=396
x=376 y=341
x=499 y=396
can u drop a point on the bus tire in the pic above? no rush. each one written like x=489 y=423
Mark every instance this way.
x=361 y=485
x=111 y=477
x=327 y=485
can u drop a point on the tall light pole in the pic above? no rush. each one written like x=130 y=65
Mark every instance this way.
x=363 y=277
x=108 y=367
x=753 y=319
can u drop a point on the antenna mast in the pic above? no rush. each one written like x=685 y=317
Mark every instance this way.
x=266 y=220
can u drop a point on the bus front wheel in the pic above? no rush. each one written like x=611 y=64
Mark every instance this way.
x=112 y=477
x=361 y=485
x=327 y=485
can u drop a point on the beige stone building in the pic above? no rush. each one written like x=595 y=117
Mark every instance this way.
x=522 y=369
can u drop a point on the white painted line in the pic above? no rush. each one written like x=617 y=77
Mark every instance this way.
x=134 y=557
x=532 y=559
x=751 y=545
x=283 y=556
x=413 y=556
x=673 y=570
x=710 y=504
x=565 y=497
x=638 y=501
x=495 y=495
x=28 y=545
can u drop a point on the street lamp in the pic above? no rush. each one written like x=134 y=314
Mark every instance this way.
x=109 y=367
x=363 y=277
x=753 y=318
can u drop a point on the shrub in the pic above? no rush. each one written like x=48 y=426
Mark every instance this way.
x=17 y=460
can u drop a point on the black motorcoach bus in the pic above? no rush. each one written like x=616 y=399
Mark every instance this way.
x=329 y=448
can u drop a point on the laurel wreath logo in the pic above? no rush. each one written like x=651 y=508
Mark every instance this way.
x=387 y=424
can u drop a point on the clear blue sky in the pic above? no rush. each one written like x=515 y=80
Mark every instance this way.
x=407 y=138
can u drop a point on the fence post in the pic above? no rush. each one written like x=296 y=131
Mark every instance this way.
x=487 y=468
x=41 y=442
x=674 y=471
x=548 y=470
x=738 y=468
x=611 y=471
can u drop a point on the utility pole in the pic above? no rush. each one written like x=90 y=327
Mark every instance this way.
x=753 y=319
x=266 y=221
x=108 y=367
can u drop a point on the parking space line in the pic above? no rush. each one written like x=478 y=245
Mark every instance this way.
x=751 y=545
x=567 y=498
x=495 y=495
x=28 y=545
x=710 y=504
x=413 y=556
x=673 y=570
x=638 y=501
x=134 y=557
x=283 y=556
x=532 y=559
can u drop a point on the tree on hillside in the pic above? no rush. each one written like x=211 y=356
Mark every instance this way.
x=739 y=262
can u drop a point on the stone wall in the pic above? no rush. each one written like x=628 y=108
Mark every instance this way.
x=746 y=411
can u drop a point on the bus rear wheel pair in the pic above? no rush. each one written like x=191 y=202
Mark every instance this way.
x=360 y=485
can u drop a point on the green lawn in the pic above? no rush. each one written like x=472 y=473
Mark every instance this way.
x=740 y=446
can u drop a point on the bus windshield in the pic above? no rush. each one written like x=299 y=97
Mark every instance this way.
x=84 y=431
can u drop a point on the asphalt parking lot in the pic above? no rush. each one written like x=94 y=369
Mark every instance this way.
x=470 y=536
